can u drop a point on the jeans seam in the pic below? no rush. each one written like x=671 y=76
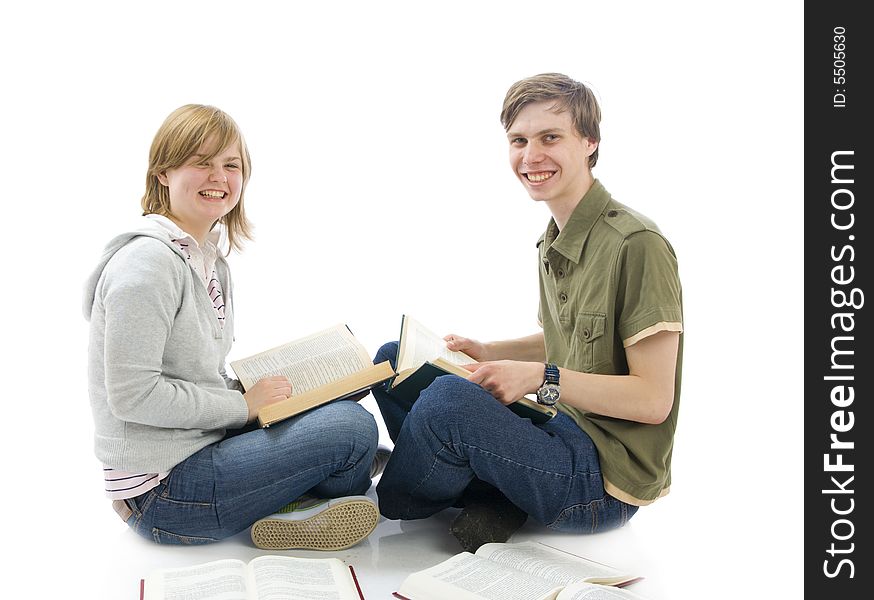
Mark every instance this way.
x=274 y=482
x=165 y=495
x=423 y=479
x=183 y=539
x=585 y=506
x=139 y=513
x=528 y=467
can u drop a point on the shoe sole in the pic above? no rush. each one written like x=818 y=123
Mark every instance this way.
x=336 y=528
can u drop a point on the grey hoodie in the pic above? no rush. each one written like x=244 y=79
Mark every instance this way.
x=156 y=355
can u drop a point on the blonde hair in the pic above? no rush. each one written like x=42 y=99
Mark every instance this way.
x=569 y=95
x=180 y=137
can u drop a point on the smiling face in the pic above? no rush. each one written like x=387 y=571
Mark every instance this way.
x=204 y=189
x=549 y=157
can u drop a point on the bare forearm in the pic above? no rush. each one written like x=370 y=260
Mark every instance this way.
x=645 y=395
x=628 y=397
x=529 y=348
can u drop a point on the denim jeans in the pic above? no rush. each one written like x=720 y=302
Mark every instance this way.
x=225 y=487
x=456 y=433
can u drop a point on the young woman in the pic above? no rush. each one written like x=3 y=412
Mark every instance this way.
x=170 y=426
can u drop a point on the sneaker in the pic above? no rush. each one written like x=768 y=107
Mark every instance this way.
x=380 y=460
x=481 y=522
x=317 y=524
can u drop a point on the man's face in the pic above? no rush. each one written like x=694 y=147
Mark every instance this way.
x=548 y=155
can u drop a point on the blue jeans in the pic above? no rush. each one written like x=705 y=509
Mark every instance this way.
x=225 y=487
x=456 y=433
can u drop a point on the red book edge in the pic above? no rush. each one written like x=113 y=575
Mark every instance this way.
x=351 y=570
x=396 y=595
x=355 y=579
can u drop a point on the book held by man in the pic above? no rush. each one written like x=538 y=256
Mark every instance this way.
x=521 y=571
x=423 y=356
x=264 y=578
x=325 y=366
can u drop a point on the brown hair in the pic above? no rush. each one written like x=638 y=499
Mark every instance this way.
x=180 y=137
x=569 y=95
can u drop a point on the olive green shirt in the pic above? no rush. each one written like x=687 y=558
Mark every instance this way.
x=608 y=280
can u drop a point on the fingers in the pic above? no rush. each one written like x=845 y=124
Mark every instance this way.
x=454 y=342
x=265 y=392
x=479 y=373
x=276 y=387
x=488 y=382
x=496 y=378
x=473 y=348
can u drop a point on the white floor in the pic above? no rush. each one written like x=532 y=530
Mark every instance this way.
x=391 y=552
x=394 y=550
x=723 y=531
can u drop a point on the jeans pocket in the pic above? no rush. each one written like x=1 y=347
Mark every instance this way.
x=165 y=537
x=180 y=522
x=596 y=516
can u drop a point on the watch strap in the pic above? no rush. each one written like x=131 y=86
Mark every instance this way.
x=550 y=373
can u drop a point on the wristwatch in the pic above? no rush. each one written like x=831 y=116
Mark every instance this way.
x=550 y=391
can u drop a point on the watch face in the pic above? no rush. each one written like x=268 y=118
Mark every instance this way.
x=548 y=394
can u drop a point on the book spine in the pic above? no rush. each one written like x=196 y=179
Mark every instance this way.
x=357 y=586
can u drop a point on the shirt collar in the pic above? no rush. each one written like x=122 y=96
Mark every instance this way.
x=569 y=242
x=176 y=232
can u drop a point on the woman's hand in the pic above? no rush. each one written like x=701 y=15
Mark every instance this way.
x=266 y=392
x=474 y=349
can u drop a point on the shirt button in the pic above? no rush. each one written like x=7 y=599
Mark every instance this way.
x=612 y=213
x=562 y=297
x=560 y=273
x=586 y=334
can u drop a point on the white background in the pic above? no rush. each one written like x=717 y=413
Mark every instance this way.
x=381 y=186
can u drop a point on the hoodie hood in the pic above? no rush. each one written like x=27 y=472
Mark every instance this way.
x=146 y=227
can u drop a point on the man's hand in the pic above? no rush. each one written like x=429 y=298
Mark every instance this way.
x=267 y=391
x=474 y=349
x=507 y=380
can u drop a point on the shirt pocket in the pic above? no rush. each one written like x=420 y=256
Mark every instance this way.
x=589 y=347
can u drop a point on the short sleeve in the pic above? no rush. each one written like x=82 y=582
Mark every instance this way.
x=648 y=297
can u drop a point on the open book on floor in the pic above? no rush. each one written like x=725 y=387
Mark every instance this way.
x=325 y=366
x=523 y=571
x=423 y=356
x=263 y=577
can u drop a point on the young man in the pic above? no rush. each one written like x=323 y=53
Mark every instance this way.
x=609 y=357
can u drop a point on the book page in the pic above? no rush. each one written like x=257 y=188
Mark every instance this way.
x=418 y=345
x=350 y=387
x=559 y=567
x=284 y=577
x=217 y=580
x=469 y=577
x=593 y=591
x=308 y=362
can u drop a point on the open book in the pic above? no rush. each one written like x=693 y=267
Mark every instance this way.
x=263 y=578
x=321 y=367
x=524 y=571
x=423 y=356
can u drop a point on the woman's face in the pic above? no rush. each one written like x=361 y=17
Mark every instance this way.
x=203 y=190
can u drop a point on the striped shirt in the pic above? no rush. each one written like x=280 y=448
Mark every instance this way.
x=120 y=485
